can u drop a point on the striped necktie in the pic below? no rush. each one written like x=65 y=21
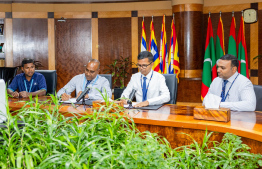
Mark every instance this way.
x=223 y=91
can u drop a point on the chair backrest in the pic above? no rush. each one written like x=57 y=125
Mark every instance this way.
x=108 y=77
x=258 y=92
x=8 y=73
x=51 y=80
x=2 y=101
x=171 y=83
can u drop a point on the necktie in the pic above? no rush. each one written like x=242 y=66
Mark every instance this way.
x=144 y=90
x=87 y=83
x=223 y=91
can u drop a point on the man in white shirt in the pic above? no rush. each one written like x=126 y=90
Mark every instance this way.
x=89 y=79
x=236 y=90
x=150 y=86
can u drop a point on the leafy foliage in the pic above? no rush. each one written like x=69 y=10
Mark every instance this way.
x=105 y=140
x=119 y=69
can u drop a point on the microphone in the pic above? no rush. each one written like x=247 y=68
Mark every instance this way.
x=131 y=97
x=83 y=94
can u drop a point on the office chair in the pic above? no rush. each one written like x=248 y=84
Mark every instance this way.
x=51 y=80
x=108 y=77
x=8 y=74
x=258 y=92
x=171 y=82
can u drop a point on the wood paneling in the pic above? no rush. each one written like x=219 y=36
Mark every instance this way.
x=2 y=14
x=114 y=39
x=30 y=40
x=95 y=38
x=8 y=42
x=194 y=7
x=225 y=8
x=134 y=34
x=192 y=40
x=167 y=12
x=178 y=8
x=29 y=14
x=189 y=90
x=260 y=46
x=114 y=14
x=253 y=45
x=73 y=48
x=191 y=73
x=51 y=44
x=72 y=14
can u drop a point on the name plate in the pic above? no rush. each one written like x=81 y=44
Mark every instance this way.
x=222 y=114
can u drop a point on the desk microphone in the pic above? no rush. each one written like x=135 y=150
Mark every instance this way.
x=131 y=97
x=83 y=94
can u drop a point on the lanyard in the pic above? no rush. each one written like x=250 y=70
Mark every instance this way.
x=85 y=81
x=147 y=84
x=30 y=86
x=230 y=88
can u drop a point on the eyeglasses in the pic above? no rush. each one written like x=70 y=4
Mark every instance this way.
x=143 y=66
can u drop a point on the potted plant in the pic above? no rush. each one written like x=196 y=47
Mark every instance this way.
x=119 y=69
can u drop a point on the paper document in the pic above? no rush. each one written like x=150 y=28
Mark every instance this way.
x=72 y=100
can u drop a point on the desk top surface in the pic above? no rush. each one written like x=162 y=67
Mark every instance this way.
x=244 y=124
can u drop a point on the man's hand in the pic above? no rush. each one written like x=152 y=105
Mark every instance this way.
x=123 y=101
x=24 y=94
x=86 y=97
x=65 y=97
x=142 y=104
x=15 y=94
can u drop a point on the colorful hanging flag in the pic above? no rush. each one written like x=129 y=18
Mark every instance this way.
x=209 y=66
x=242 y=50
x=173 y=61
x=163 y=49
x=143 y=38
x=220 y=47
x=232 y=47
x=153 y=49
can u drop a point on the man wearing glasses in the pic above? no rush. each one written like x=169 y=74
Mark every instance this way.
x=150 y=86
x=88 y=79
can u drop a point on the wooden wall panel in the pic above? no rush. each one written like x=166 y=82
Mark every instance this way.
x=260 y=47
x=73 y=48
x=114 y=39
x=189 y=90
x=30 y=40
x=8 y=42
x=192 y=42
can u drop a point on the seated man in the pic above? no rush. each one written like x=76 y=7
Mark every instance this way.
x=88 y=79
x=150 y=86
x=236 y=90
x=29 y=82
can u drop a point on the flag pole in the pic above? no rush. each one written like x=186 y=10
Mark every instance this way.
x=143 y=18
x=209 y=14
x=232 y=13
x=220 y=13
x=152 y=17
x=242 y=13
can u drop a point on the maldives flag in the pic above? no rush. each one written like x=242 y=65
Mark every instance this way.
x=209 y=66
x=232 y=47
x=220 y=47
x=242 y=50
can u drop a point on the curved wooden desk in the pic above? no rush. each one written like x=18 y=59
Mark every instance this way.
x=172 y=120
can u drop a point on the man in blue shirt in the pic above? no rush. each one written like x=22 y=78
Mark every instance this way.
x=29 y=82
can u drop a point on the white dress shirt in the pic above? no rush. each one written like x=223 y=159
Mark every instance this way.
x=157 y=93
x=78 y=83
x=241 y=96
